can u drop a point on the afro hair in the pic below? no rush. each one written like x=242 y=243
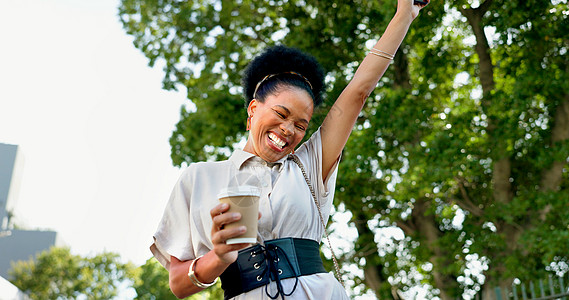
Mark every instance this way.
x=283 y=60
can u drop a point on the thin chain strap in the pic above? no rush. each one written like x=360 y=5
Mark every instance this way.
x=336 y=266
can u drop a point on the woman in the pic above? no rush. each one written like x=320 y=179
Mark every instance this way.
x=282 y=87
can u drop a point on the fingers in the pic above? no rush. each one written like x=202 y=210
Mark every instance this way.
x=220 y=220
x=222 y=235
x=219 y=209
x=219 y=238
x=221 y=217
x=228 y=253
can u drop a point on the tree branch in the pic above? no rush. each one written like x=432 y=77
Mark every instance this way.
x=474 y=17
x=407 y=227
x=485 y=6
x=466 y=203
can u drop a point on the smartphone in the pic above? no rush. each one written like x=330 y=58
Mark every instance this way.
x=419 y=2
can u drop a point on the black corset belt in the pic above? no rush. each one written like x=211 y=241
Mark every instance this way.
x=278 y=259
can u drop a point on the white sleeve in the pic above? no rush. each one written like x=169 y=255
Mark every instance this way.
x=173 y=236
x=310 y=154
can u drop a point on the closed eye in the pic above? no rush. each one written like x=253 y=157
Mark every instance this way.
x=280 y=114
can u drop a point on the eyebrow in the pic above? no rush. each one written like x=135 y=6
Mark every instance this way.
x=288 y=112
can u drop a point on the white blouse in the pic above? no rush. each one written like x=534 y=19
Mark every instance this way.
x=286 y=205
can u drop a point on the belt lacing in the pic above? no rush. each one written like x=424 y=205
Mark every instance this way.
x=272 y=258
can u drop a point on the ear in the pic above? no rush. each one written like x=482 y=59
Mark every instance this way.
x=252 y=107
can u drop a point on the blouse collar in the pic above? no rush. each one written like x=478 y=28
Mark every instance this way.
x=239 y=157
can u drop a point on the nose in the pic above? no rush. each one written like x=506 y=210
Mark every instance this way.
x=287 y=128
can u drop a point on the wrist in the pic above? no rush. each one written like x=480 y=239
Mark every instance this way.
x=193 y=277
x=220 y=262
x=405 y=17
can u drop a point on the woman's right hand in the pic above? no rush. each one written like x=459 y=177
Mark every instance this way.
x=214 y=262
x=220 y=233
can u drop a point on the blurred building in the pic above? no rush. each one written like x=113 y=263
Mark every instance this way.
x=16 y=244
x=11 y=165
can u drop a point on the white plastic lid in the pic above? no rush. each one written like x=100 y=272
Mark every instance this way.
x=242 y=190
x=241 y=240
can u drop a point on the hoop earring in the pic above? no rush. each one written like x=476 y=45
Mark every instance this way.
x=249 y=123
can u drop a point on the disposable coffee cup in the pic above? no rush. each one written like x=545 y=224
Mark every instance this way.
x=243 y=199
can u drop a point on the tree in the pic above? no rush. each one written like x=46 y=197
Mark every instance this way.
x=462 y=150
x=151 y=283
x=58 y=274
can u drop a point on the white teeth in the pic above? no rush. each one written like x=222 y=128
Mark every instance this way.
x=276 y=140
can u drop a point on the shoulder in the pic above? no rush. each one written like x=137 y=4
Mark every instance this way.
x=313 y=146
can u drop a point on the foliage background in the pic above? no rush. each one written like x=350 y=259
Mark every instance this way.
x=59 y=274
x=455 y=175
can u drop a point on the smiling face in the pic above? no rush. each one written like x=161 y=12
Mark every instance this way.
x=279 y=123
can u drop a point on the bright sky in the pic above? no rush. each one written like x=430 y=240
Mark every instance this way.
x=92 y=122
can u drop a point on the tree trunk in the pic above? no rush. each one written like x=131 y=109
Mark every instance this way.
x=427 y=229
x=401 y=70
x=551 y=178
x=502 y=188
x=423 y=224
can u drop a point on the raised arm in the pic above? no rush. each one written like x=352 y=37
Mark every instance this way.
x=339 y=122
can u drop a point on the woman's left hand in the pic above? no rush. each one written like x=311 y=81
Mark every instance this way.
x=408 y=6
